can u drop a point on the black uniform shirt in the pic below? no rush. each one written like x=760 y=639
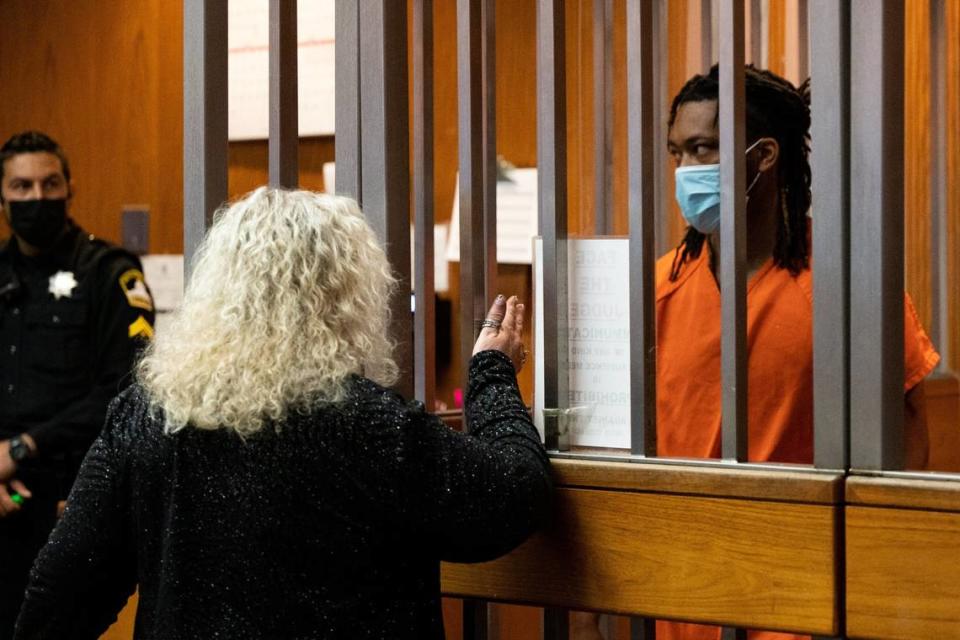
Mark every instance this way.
x=71 y=323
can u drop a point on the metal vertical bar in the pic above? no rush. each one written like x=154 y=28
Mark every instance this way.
x=385 y=158
x=756 y=32
x=803 y=39
x=473 y=258
x=424 y=317
x=830 y=120
x=603 y=116
x=706 y=35
x=556 y=624
x=643 y=629
x=939 y=325
x=283 y=145
x=470 y=141
x=733 y=241
x=662 y=172
x=476 y=620
x=488 y=54
x=729 y=633
x=204 y=118
x=347 y=63
x=876 y=235
x=640 y=159
x=552 y=201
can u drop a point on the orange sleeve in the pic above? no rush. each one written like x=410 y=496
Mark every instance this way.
x=920 y=357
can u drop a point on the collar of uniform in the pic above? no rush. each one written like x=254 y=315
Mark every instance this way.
x=58 y=256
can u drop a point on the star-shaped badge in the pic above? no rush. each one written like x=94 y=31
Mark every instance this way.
x=62 y=284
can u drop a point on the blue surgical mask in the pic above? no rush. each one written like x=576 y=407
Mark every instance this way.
x=698 y=194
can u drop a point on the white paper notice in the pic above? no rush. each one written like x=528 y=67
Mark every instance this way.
x=516 y=218
x=164 y=276
x=248 y=68
x=598 y=296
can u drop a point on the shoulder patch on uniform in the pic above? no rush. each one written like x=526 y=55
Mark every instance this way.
x=135 y=289
x=140 y=328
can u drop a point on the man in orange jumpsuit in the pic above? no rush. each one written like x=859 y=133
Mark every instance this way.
x=779 y=296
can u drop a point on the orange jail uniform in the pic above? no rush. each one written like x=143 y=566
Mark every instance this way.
x=780 y=378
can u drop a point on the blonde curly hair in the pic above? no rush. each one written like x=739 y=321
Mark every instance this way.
x=288 y=296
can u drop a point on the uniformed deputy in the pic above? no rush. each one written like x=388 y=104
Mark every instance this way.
x=73 y=312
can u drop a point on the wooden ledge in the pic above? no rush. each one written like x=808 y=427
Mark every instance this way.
x=939 y=495
x=749 y=563
x=788 y=485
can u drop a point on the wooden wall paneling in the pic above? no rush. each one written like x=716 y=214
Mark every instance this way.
x=166 y=219
x=104 y=80
x=776 y=41
x=903 y=573
x=903 y=558
x=952 y=29
x=943 y=420
x=771 y=564
x=917 y=155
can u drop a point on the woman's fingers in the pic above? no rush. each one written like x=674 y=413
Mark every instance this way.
x=20 y=488
x=7 y=505
x=502 y=330
x=492 y=323
x=509 y=318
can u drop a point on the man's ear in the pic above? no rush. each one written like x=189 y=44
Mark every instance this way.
x=768 y=152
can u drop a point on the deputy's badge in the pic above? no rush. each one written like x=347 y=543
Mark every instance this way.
x=62 y=284
x=140 y=328
x=133 y=286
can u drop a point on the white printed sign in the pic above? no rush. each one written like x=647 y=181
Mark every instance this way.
x=516 y=218
x=598 y=337
x=248 y=68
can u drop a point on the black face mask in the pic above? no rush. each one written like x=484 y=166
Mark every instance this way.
x=39 y=222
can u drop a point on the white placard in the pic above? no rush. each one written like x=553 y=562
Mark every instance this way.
x=164 y=276
x=516 y=218
x=329 y=177
x=598 y=295
x=248 y=68
x=441 y=272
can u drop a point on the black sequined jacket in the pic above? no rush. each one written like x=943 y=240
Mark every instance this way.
x=331 y=526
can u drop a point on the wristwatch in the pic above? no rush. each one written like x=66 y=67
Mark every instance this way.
x=18 y=449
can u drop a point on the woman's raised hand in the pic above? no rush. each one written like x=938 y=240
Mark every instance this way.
x=502 y=330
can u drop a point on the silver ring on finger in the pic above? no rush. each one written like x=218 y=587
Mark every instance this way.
x=491 y=324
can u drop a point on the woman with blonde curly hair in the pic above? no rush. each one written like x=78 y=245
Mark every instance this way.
x=259 y=481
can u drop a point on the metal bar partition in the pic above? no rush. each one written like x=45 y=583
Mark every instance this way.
x=642 y=134
x=204 y=118
x=733 y=242
x=876 y=235
x=283 y=142
x=473 y=304
x=552 y=205
x=830 y=120
x=706 y=35
x=642 y=189
x=476 y=127
x=603 y=116
x=939 y=271
x=347 y=63
x=384 y=158
x=552 y=202
x=424 y=315
x=857 y=241
x=488 y=148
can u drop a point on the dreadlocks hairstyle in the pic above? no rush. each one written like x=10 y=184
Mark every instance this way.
x=775 y=109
